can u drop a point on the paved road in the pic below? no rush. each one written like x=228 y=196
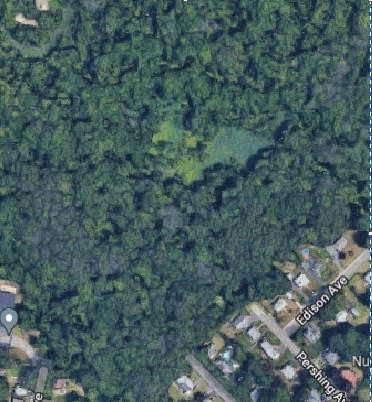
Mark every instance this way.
x=271 y=323
x=209 y=379
x=353 y=268
x=349 y=272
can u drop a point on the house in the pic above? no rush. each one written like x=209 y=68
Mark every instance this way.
x=312 y=333
x=60 y=384
x=254 y=333
x=302 y=281
x=316 y=266
x=7 y=300
x=289 y=372
x=350 y=376
x=341 y=243
x=314 y=396
x=280 y=305
x=227 y=366
x=270 y=350
x=212 y=351
x=20 y=391
x=185 y=385
x=331 y=358
x=241 y=322
x=336 y=248
x=255 y=394
x=342 y=316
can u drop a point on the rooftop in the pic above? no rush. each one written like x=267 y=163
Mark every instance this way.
x=270 y=350
x=7 y=300
x=289 y=372
x=302 y=280
x=350 y=376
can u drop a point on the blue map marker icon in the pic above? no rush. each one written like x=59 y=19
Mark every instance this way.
x=8 y=319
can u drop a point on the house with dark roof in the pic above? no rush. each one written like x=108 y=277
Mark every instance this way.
x=241 y=322
x=7 y=300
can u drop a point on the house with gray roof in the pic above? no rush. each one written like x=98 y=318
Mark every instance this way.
x=7 y=300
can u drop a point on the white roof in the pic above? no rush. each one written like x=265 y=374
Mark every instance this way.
x=354 y=311
x=280 y=305
x=270 y=350
x=342 y=316
x=254 y=333
x=331 y=358
x=314 y=396
x=289 y=295
x=21 y=391
x=289 y=372
x=302 y=280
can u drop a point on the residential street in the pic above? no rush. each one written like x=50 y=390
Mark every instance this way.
x=209 y=379
x=271 y=323
x=352 y=269
x=349 y=272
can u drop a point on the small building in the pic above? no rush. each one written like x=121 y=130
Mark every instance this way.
x=367 y=278
x=289 y=372
x=270 y=350
x=341 y=243
x=185 y=385
x=254 y=333
x=280 y=305
x=350 y=376
x=342 y=316
x=255 y=394
x=354 y=311
x=314 y=396
x=20 y=391
x=289 y=296
x=316 y=266
x=302 y=281
x=291 y=276
x=312 y=333
x=227 y=366
x=331 y=358
x=7 y=300
x=212 y=351
x=42 y=5
x=241 y=322
x=60 y=384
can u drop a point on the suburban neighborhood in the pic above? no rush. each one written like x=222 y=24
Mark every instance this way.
x=275 y=330
x=24 y=379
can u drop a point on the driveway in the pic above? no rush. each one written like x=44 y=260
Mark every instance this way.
x=209 y=379
x=271 y=323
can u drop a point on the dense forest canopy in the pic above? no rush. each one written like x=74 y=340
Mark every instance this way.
x=157 y=154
